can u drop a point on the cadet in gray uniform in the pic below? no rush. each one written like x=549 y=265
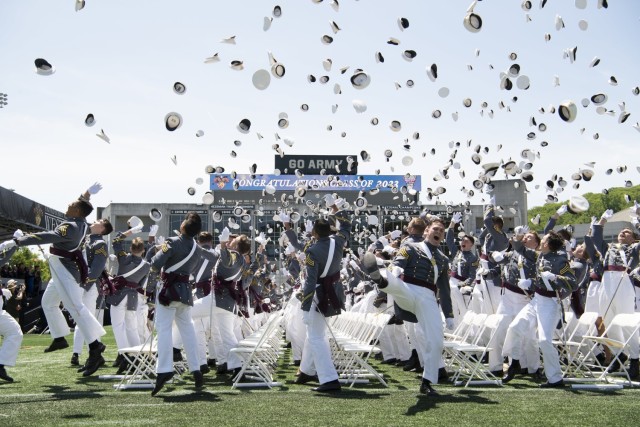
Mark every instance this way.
x=231 y=265
x=464 y=264
x=10 y=330
x=617 y=291
x=96 y=252
x=132 y=276
x=202 y=306
x=177 y=259
x=554 y=281
x=68 y=270
x=323 y=296
x=495 y=241
x=420 y=272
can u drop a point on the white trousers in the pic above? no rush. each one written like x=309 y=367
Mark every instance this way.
x=510 y=305
x=316 y=355
x=543 y=313
x=618 y=296
x=224 y=322
x=142 y=316
x=63 y=288
x=422 y=302
x=89 y=299
x=165 y=316
x=592 y=303
x=11 y=339
x=296 y=329
x=125 y=325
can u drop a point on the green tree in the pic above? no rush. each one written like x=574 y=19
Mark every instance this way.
x=612 y=198
x=30 y=259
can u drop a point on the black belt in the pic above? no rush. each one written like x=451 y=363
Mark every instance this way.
x=418 y=282
x=512 y=288
x=547 y=294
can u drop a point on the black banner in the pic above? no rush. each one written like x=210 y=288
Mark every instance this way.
x=14 y=207
x=317 y=165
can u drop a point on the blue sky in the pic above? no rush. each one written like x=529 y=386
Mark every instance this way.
x=119 y=60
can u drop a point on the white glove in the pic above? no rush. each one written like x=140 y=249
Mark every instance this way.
x=18 y=234
x=306 y=317
x=492 y=201
x=594 y=220
x=573 y=243
x=113 y=257
x=466 y=290
x=607 y=214
x=160 y=240
x=137 y=229
x=284 y=217
x=550 y=277
x=224 y=236
x=450 y=324
x=488 y=189
x=339 y=202
x=561 y=210
x=5 y=246
x=456 y=218
x=482 y=272
x=524 y=284
x=567 y=246
x=95 y=188
x=153 y=230
x=521 y=230
x=308 y=226
x=497 y=256
x=395 y=234
x=329 y=199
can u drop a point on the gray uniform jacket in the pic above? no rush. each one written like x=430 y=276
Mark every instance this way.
x=230 y=268
x=67 y=236
x=172 y=252
x=415 y=263
x=126 y=263
x=494 y=240
x=613 y=256
x=315 y=264
x=464 y=264
x=513 y=262
x=556 y=263
x=203 y=270
x=96 y=252
x=300 y=245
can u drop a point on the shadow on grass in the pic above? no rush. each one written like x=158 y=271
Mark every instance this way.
x=425 y=403
x=77 y=416
x=350 y=394
x=196 y=396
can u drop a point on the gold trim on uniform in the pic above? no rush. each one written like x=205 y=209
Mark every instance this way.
x=63 y=229
x=309 y=261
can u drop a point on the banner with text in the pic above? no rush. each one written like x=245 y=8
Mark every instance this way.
x=386 y=183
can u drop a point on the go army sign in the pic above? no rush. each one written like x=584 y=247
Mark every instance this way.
x=317 y=165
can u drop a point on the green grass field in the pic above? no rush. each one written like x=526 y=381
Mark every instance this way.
x=49 y=392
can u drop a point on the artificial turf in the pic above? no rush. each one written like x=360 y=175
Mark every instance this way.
x=49 y=392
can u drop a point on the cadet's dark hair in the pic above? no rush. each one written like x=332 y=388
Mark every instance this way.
x=419 y=224
x=192 y=224
x=205 y=237
x=84 y=207
x=496 y=220
x=244 y=245
x=322 y=228
x=137 y=245
x=564 y=233
x=555 y=241
x=108 y=228
x=466 y=236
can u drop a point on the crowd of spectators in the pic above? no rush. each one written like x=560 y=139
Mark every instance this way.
x=31 y=275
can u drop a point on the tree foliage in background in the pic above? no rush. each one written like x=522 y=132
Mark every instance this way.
x=30 y=259
x=598 y=203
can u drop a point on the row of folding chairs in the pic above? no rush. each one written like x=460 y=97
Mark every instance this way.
x=259 y=353
x=584 y=369
x=352 y=337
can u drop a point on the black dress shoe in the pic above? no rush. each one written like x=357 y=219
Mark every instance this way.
x=634 y=369
x=498 y=374
x=124 y=367
x=513 y=370
x=198 y=378
x=177 y=355
x=330 y=386
x=57 y=344
x=557 y=384
x=4 y=375
x=118 y=361
x=370 y=265
x=222 y=369
x=426 y=388
x=402 y=362
x=205 y=369
x=304 y=378
x=211 y=363
x=296 y=363
x=443 y=375
x=161 y=380
x=413 y=362
x=92 y=364
x=74 y=360
x=389 y=361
